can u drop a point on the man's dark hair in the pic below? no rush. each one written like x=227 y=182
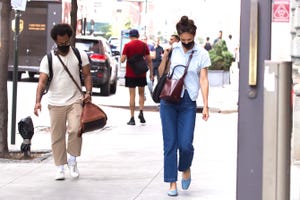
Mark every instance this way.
x=61 y=29
x=176 y=37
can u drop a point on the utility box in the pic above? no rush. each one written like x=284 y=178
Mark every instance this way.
x=34 y=37
x=295 y=32
x=277 y=122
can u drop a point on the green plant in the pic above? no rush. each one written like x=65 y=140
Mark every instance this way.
x=220 y=57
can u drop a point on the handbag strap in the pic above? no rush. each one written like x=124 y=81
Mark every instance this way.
x=188 y=63
x=186 y=68
x=168 y=61
x=68 y=71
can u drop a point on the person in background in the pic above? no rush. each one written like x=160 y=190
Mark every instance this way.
x=157 y=59
x=219 y=38
x=232 y=48
x=135 y=46
x=207 y=45
x=174 y=39
x=144 y=38
x=64 y=100
x=178 y=120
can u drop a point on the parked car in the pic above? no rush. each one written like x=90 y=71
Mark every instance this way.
x=114 y=43
x=104 y=64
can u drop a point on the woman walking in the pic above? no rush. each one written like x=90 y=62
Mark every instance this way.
x=178 y=120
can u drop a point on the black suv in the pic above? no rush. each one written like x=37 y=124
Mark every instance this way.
x=104 y=64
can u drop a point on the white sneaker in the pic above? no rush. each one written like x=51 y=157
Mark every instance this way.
x=60 y=175
x=73 y=170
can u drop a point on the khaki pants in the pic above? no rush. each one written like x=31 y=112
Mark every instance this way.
x=65 y=119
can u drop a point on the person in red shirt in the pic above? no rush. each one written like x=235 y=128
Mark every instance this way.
x=134 y=47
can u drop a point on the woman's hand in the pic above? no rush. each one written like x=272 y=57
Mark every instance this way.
x=205 y=113
x=166 y=52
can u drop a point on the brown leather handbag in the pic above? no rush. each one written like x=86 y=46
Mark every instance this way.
x=171 y=91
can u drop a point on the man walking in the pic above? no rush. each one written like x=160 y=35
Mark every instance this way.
x=64 y=99
x=132 y=80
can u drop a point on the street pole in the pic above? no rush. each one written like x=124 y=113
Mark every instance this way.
x=255 y=45
x=15 y=77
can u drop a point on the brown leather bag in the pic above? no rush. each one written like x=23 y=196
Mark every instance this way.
x=172 y=89
x=92 y=118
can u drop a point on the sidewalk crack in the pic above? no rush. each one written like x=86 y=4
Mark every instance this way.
x=147 y=185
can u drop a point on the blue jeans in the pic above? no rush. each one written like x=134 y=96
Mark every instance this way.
x=178 y=124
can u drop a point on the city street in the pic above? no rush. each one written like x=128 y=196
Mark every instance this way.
x=122 y=162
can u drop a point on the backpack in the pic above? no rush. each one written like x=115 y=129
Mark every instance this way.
x=49 y=57
x=207 y=46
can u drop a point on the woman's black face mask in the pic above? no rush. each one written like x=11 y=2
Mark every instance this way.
x=188 y=45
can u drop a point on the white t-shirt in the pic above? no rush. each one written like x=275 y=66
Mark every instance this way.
x=62 y=90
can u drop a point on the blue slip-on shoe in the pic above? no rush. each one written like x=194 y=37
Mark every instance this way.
x=172 y=193
x=185 y=183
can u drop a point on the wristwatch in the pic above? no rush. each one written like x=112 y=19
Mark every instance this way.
x=88 y=92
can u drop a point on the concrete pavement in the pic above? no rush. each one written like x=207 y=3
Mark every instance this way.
x=122 y=162
x=126 y=162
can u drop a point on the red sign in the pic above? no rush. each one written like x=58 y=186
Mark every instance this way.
x=281 y=11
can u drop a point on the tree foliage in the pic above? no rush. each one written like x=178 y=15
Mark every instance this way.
x=220 y=57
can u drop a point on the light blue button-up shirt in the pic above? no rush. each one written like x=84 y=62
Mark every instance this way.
x=199 y=60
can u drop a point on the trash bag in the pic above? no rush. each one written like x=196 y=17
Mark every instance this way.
x=25 y=127
x=26 y=130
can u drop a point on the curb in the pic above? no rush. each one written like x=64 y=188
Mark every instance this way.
x=44 y=155
x=155 y=108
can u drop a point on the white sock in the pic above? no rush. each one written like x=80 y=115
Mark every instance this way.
x=72 y=160
x=60 y=167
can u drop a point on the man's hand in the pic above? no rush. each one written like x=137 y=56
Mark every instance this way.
x=37 y=109
x=87 y=97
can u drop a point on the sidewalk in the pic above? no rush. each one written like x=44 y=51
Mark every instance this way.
x=124 y=162
x=221 y=99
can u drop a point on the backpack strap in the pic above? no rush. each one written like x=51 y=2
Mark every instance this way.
x=49 y=57
x=77 y=54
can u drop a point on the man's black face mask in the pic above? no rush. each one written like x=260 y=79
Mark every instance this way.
x=63 y=48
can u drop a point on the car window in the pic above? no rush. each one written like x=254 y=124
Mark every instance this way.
x=95 y=48
x=101 y=48
x=107 y=47
x=88 y=45
x=82 y=46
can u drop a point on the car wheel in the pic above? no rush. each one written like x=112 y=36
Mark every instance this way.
x=105 y=89
x=113 y=87
x=31 y=75
x=10 y=76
